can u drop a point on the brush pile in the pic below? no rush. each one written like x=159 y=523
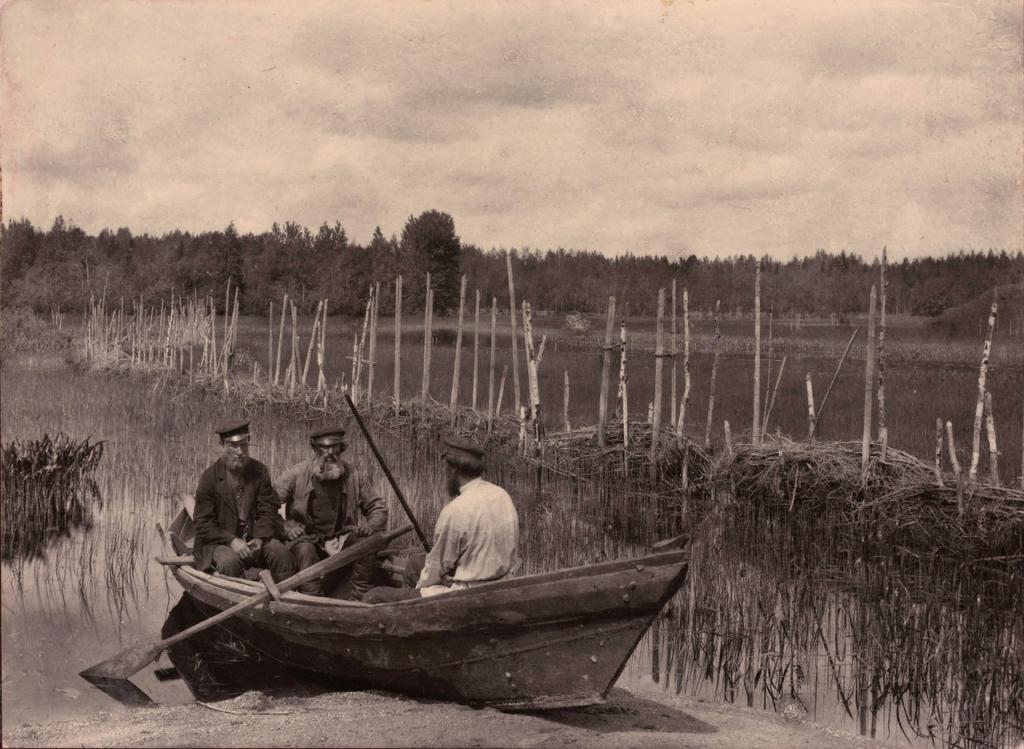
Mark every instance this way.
x=48 y=490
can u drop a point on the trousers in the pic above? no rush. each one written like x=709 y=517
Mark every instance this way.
x=273 y=556
x=348 y=583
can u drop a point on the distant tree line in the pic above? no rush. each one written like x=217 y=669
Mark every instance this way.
x=62 y=266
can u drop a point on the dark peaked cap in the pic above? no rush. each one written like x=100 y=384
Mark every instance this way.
x=466 y=447
x=232 y=430
x=332 y=435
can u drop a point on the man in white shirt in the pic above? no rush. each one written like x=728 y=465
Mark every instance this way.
x=476 y=537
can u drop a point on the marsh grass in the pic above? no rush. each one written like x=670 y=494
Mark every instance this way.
x=48 y=491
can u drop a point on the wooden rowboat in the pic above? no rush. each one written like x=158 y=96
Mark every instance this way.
x=551 y=640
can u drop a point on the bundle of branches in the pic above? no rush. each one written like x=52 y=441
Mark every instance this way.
x=815 y=496
x=47 y=487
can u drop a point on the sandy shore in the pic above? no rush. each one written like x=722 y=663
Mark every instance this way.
x=634 y=717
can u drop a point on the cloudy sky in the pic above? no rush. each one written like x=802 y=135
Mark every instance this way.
x=652 y=126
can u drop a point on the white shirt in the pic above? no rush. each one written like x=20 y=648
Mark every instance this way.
x=476 y=539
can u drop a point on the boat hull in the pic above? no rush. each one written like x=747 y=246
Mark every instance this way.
x=543 y=641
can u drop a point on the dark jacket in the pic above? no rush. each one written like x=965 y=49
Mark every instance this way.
x=216 y=513
x=297 y=485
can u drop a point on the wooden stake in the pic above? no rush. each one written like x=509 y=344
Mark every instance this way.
x=771 y=401
x=280 y=340
x=757 y=353
x=869 y=381
x=270 y=346
x=476 y=350
x=956 y=467
x=659 y=365
x=835 y=374
x=883 y=430
x=321 y=355
x=398 y=342
x=490 y=370
x=294 y=365
x=980 y=405
x=532 y=364
x=993 y=450
x=623 y=390
x=565 y=404
x=768 y=375
x=810 y=409
x=457 y=369
x=728 y=437
x=515 y=344
x=684 y=405
x=372 y=364
x=428 y=306
x=714 y=373
x=675 y=350
x=501 y=390
x=312 y=342
x=938 y=452
x=602 y=407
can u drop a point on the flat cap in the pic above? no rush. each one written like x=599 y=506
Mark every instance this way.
x=454 y=444
x=232 y=430
x=332 y=435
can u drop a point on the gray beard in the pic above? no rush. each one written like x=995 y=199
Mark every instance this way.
x=326 y=471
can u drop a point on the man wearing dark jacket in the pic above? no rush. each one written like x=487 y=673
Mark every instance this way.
x=237 y=521
x=328 y=504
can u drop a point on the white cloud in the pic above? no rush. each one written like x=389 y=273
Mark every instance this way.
x=713 y=127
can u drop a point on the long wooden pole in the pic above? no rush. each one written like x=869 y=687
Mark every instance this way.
x=427 y=307
x=757 y=354
x=993 y=449
x=565 y=404
x=714 y=372
x=623 y=385
x=606 y=361
x=684 y=404
x=280 y=340
x=457 y=368
x=883 y=430
x=490 y=369
x=938 y=451
x=675 y=350
x=869 y=387
x=839 y=366
x=270 y=345
x=515 y=344
x=972 y=474
x=398 y=341
x=312 y=340
x=372 y=364
x=659 y=367
x=476 y=350
x=810 y=409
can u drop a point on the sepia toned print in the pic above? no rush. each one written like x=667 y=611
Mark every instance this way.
x=512 y=374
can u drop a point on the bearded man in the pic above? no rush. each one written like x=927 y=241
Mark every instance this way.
x=236 y=512
x=328 y=504
x=476 y=537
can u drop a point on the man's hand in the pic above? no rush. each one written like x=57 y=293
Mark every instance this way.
x=256 y=545
x=241 y=548
x=362 y=531
x=293 y=530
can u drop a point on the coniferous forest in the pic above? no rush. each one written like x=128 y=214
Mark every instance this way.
x=58 y=267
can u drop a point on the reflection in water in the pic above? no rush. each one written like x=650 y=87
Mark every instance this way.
x=216 y=665
x=48 y=491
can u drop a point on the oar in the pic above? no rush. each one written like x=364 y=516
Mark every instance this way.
x=387 y=472
x=133 y=660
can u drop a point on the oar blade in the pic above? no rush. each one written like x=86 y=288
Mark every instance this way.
x=123 y=665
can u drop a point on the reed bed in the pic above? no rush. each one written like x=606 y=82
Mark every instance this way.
x=48 y=490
